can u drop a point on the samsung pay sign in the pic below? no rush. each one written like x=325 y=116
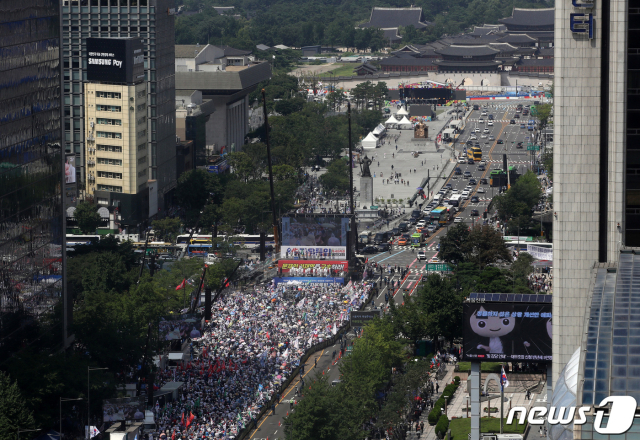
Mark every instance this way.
x=104 y=59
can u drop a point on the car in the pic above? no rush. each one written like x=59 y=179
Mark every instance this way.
x=448 y=186
x=481 y=167
x=472 y=182
x=421 y=223
x=406 y=236
x=404 y=227
x=454 y=191
x=370 y=250
x=480 y=190
x=470 y=161
x=475 y=199
x=383 y=247
x=492 y=138
x=413 y=221
x=476 y=130
x=431 y=228
x=422 y=255
x=523 y=126
x=483 y=181
x=403 y=241
x=386 y=110
x=474 y=213
x=458 y=170
x=465 y=195
x=481 y=121
x=484 y=113
x=396 y=231
x=458 y=220
x=486 y=130
x=462 y=160
x=490 y=116
x=484 y=136
x=435 y=260
x=519 y=145
x=473 y=136
x=516 y=116
x=512 y=122
x=500 y=141
x=467 y=174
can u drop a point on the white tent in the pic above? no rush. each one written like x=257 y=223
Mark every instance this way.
x=402 y=112
x=379 y=130
x=405 y=123
x=370 y=141
x=391 y=122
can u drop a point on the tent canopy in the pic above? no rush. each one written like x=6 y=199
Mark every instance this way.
x=370 y=141
x=402 y=112
x=391 y=120
x=405 y=121
x=379 y=130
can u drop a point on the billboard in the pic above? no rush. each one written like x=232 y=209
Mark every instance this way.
x=178 y=328
x=311 y=267
x=360 y=319
x=118 y=410
x=314 y=238
x=308 y=280
x=508 y=332
x=115 y=60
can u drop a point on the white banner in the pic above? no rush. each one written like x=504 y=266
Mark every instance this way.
x=314 y=252
x=539 y=252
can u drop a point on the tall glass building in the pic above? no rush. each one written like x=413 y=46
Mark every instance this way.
x=31 y=168
x=153 y=22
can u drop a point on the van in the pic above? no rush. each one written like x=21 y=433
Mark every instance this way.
x=416 y=214
x=364 y=237
x=437 y=198
x=380 y=238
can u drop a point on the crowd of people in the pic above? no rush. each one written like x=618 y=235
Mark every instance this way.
x=541 y=281
x=253 y=343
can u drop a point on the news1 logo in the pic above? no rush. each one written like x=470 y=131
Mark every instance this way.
x=620 y=418
x=582 y=22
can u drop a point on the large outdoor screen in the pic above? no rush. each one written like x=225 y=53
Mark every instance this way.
x=179 y=327
x=118 y=410
x=509 y=332
x=115 y=60
x=314 y=238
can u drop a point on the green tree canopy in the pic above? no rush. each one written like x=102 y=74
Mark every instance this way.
x=14 y=413
x=87 y=216
x=337 y=176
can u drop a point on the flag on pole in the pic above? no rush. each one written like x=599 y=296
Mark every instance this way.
x=93 y=431
x=190 y=419
x=182 y=284
x=503 y=379
x=182 y=419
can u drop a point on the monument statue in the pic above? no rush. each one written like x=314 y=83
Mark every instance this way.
x=366 y=172
x=421 y=131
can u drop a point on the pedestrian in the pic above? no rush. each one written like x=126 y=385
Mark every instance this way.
x=273 y=408
x=437 y=387
x=528 y=397
x=316 y=362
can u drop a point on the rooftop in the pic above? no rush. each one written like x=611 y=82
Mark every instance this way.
x=406 y=61
x=386 y=18
x=223 y=9
x=530 y=17
x=189 y=50
x=262 y=47
x=391 y=34
x=233 y=52
x=458 y=50
x=476 y=41
x=516 y=38
x=223 y=81
x=536 y=62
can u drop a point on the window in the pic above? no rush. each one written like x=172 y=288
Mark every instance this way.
x=108 y=135
x=108 y=95
x=142 y=160
x=141 y=107
x=142 y=147
x=104 y=121
x=142 y=120
x=109 y=175
x=142 y=133
x=108 y=108
x=102 y=201
x=111 y=188
x=105 y=161
x=142 y=173
x=141 y=94
x=111 y=148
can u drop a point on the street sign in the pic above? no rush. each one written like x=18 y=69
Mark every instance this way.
x=438 y=267
x=362 y=318
x=532 y=147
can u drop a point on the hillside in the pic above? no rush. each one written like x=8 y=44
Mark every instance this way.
x=332 y=23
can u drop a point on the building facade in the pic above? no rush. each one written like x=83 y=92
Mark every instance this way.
x=595 y=181
x=31 y=170
x=153 y=22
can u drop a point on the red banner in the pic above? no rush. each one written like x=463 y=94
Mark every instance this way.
x=286 y=265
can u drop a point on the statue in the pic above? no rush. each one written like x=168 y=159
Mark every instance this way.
x=366 y=172
x=420 y=131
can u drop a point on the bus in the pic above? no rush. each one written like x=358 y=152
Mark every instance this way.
x=446 y=215
x=418 y=239
x=435 y=214
x=251 y=240
x=78 y=240
x=474 y=153
x=531 y=124
x=199 y=249
x=455 y=199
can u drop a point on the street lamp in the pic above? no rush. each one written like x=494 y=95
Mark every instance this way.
x=24 y=430
x=89 y=370
x=64 y=399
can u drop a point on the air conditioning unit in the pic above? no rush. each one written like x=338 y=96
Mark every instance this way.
x=91 y=124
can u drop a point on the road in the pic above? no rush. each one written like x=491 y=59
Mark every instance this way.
x=501 y=138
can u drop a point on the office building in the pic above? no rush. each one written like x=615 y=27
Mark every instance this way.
x=596 y=229
x=153 y=22
x=31 y=172
x=115 y=105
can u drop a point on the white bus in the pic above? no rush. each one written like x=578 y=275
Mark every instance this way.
x=455 y=199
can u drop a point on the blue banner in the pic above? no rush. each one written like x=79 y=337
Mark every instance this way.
x=309 y=280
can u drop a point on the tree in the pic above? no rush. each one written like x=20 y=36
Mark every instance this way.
x=316 y=416
x=337 y=176
x=87 y=217
x=543 y=112
x=191 y=191
x=287 y=106
x=14 y=413
x=442 y=308
x=486 y=246
x=453 y=244
x=167 y=228
x=522 y=266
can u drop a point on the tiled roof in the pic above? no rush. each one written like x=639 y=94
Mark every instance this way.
x=233 y=52
x=188 y=50
x=477 y=41
x=262 y=47
x=480 y=63
x=546 y=51
x=409 y=61
x=366 y=67
x=392 y=34
x=385 y=18
x=516 y=38
x=530 y=17
x=455 y=50
x=536 y=62
x=504 y=47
